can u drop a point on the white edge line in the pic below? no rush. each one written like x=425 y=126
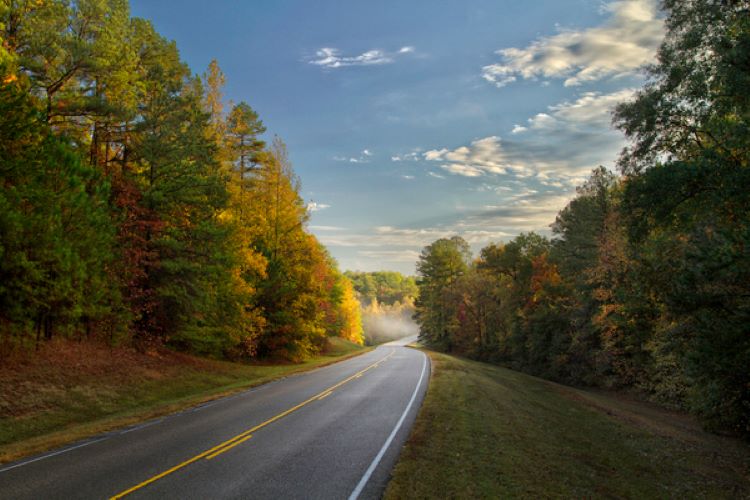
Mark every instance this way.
x=142 y=426
x=53 y=454
x=366 y=477
x=211 y=403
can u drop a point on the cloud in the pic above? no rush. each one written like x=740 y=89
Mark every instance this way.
x=413 y=155
x=327 y=228
x=483 y=156
x=626 y=41
x=391 y=255
x=364 y=157
x=558 y=147
x=331 y=58
x=317 y=207
x=408 y=177
x=437 y=176
x=526 y=210
x=385 y=239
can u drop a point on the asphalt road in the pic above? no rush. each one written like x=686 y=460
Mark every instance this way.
x=335 y=432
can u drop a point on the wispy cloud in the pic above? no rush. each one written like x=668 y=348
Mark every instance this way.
x=558 y=147
x=332 y=58
x=391 y=255
x=317 y=207
x=389 y=238
x=364 y=157
x=413 y=155
x=327 y=228
x=626 y=41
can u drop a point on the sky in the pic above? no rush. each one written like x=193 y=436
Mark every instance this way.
x=409 y=121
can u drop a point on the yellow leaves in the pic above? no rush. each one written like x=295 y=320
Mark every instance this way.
x=10 y=79
x=351 y=324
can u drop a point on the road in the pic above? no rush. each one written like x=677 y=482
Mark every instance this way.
x=334 y=432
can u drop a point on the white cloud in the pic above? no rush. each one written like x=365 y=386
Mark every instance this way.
x=316 y=207
x=362 y=158
x=331 y=58
x=626 y=41
x=461 y=169
x=413 y=155
x=437 y=176
x=559 y=147
x=391 y=255
x=435 y=154
x=408 y=177
x=517 y=129
x=526 y=210
x=482 y=157
x=386 y=239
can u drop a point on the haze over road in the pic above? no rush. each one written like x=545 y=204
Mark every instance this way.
x=331 y=433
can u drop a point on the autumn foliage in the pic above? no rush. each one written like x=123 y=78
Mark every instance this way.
x=645 y=283
x=134 y=209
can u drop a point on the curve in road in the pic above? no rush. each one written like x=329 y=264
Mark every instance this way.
x=334 y=432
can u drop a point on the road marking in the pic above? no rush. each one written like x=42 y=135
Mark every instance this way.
x=227 y=448
x=366 y=477
x=244 y=436
x=54 y=454
x=142 y=426
x=325 y=395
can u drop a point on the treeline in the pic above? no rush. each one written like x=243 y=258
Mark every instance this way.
x=383 y=287
x=645 y=283
x=133 y=208
x=387 y=299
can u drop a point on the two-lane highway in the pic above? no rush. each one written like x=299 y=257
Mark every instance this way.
x=334 y=432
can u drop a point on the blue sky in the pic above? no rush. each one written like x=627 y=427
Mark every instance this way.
x=408 y=121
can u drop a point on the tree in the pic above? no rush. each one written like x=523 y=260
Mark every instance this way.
x=697 y=98
x=245 y=148
x=440 y=266
x=57 y=235
x=687 y=217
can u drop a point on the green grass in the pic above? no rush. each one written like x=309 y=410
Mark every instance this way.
x=488 y=432
x=70 y=391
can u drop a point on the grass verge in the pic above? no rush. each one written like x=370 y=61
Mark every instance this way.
x=69 y=391
x=488 y=432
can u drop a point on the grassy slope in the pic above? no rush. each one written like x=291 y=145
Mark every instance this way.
x=489 y=432
x=68 y=390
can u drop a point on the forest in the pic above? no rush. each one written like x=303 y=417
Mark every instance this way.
x=644 y=284
x=136 y=210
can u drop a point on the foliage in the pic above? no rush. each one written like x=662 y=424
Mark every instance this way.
x=385 y=287
x=134 y=209
x=644 y=285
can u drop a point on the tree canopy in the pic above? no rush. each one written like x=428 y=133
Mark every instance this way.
x=135 y=209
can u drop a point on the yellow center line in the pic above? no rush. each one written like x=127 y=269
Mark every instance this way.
x=222 y=450
x=325 y=395
x=245 y=435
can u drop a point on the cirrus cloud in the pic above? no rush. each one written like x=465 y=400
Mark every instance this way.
x=332 y=58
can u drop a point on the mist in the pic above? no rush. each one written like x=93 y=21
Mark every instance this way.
x=386 y=325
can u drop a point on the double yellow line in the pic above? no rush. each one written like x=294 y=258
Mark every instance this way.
x=245 y=435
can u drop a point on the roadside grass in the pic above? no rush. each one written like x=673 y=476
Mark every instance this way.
x=489 y=432
x=68 y=391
